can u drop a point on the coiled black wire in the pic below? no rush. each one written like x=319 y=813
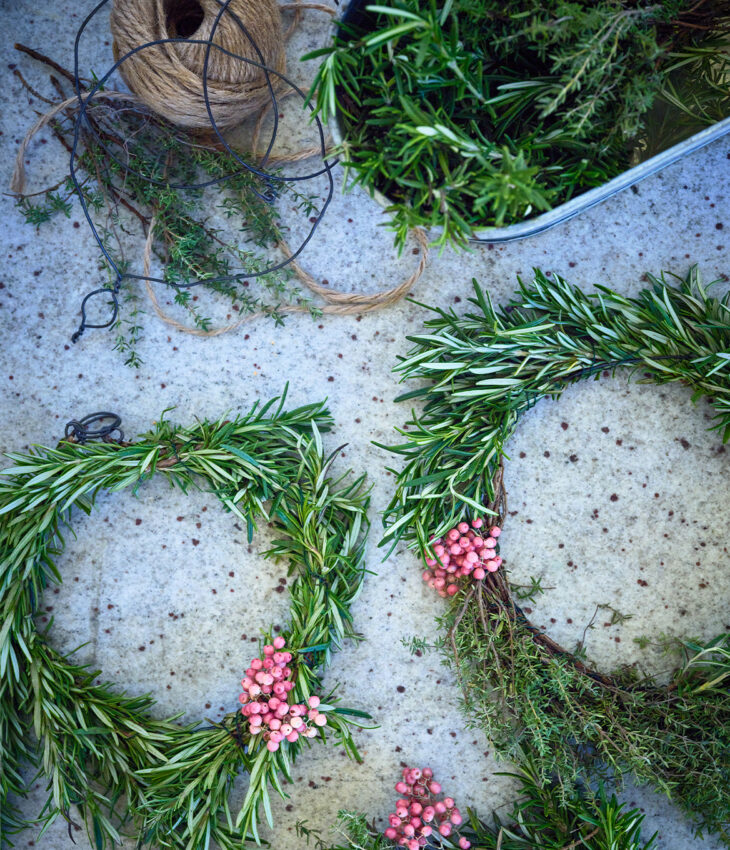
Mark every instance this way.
x=269 y=180
x=81 y=430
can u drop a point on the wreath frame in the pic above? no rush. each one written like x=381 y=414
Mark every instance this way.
x=533 y=698
x=103 y=751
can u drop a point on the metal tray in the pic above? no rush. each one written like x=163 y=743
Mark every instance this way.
x=586 y=200
x=578 y=204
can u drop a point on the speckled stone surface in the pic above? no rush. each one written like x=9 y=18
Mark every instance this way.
x=616 y=492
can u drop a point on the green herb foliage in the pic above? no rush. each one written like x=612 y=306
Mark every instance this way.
x=544 y=818
x=473 y=113
x=486 y=368
x=527 y=694
x=129 y=165
x=105 y=752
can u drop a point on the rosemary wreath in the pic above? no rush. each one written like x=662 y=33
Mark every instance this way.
x=105 y=752
x=482 y=371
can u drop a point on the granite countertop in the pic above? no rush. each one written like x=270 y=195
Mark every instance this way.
x=614 y=491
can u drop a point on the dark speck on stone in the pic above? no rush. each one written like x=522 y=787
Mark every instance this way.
x=401 y=689
x=564 y=426
x=614 y=497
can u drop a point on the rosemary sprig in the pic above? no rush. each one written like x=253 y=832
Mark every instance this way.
x=105 y=753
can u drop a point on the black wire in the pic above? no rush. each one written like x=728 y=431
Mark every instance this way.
x=81 y=432
x=270 y=179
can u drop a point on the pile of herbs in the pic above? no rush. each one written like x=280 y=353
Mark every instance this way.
x=475 y=113
x=131 y=166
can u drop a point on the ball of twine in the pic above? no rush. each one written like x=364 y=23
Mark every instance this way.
x=168 y=78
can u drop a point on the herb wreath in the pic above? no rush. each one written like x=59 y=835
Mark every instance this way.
x=469 y=113
x=485 y=369
x=103 y=751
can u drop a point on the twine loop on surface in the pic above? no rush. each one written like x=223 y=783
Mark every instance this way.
x=336 y=303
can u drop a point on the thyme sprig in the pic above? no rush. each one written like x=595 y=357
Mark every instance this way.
x=534 y=699
x=131 y=161
x=106 y=753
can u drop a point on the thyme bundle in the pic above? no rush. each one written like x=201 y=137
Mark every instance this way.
x=210 y=217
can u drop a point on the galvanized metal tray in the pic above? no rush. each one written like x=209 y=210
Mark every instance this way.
x=580 y=203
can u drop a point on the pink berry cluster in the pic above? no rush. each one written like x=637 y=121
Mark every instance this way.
x=462 y=552
x=266 y=704
x=419 y=814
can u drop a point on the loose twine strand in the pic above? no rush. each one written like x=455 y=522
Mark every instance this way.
x=18 y=179
x=336 y=303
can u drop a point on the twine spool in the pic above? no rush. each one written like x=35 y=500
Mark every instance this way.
x=168 y=78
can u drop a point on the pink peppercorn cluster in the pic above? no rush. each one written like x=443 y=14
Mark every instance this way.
x=266 y=704
x=462 y=552
x=419 y=814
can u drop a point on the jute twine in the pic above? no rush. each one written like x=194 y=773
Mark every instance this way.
x=336 y=303
x=168 y=80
